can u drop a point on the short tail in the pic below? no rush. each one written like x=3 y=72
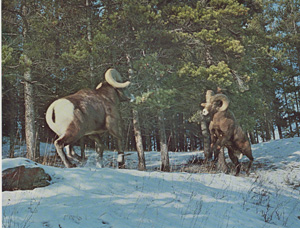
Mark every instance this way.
x=50 y=116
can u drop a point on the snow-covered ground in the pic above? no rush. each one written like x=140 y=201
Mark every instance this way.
x=93 y=197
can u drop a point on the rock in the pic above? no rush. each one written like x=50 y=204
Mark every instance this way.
x=22 y=178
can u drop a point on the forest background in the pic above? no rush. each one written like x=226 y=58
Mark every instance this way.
x=171 y=50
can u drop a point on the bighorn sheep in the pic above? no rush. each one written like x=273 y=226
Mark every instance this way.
x=89 y=112
x=225 y=131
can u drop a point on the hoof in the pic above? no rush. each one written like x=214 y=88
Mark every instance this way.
x=121 y=166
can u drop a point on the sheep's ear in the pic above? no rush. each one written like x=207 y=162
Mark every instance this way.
x=203 y=104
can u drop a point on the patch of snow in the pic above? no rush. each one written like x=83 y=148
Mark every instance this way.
x=105 y=197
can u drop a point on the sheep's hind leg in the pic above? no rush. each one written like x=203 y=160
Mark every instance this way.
x=59 y=145
x=59 y=148
x=99 y=150
x=71 y=153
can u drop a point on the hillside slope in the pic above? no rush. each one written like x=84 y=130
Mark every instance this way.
x=94 y=197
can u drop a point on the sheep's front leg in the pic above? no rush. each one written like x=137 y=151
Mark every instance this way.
x=99 y=150
x=121 y=155
x=114 y=126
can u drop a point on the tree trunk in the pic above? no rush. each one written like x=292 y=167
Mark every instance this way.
x=273 y=132
x=136 y=125
x=138 y=140
x=206 y=138
x=289 y=117
x=82 y=149
x=181 y=132
x=157 y=139
x=297 y=105
x=173 y=140
x=132 y=141
x=165 y=164
x=192 y=142
x=222 y=166
x=175 y=132
x=267 y=127
x=89 y=38
x=12 y=140
x=279 y=131
x=148 y=140
x=252 y=137
x=37 y=147
x=255 y=135
x=12 y=125
x=268 y=135
x=30 y=134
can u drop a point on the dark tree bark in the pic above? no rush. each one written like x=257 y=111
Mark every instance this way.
x=165 y=164
x=148 y=140
x=252 y=138
x=280 y=132
x=30 y=130
x=206 y=137
x=30 y=134
x=157 y=139
x=82 y=151
x=222 y=166
x=138 y=140
x=12 y=124
x=89 y=38
x=181 y=132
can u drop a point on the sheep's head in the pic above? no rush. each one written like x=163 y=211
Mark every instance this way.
x=113 y=78
x=214 y=103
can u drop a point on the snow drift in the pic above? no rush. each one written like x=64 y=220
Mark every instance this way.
x=94 y=197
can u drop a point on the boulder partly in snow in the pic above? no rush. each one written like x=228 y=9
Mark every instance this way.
x=24 y=178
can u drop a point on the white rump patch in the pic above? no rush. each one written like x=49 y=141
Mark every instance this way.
x=63 y=115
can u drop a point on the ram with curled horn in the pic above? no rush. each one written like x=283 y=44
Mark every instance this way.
x=89 y=112
x=225 y=131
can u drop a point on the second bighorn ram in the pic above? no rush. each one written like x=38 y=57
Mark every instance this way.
x=225 y=131
x=89 y=112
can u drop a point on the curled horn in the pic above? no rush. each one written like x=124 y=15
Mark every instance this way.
x=112 y=75
x=223 y=98
x=209 y=94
